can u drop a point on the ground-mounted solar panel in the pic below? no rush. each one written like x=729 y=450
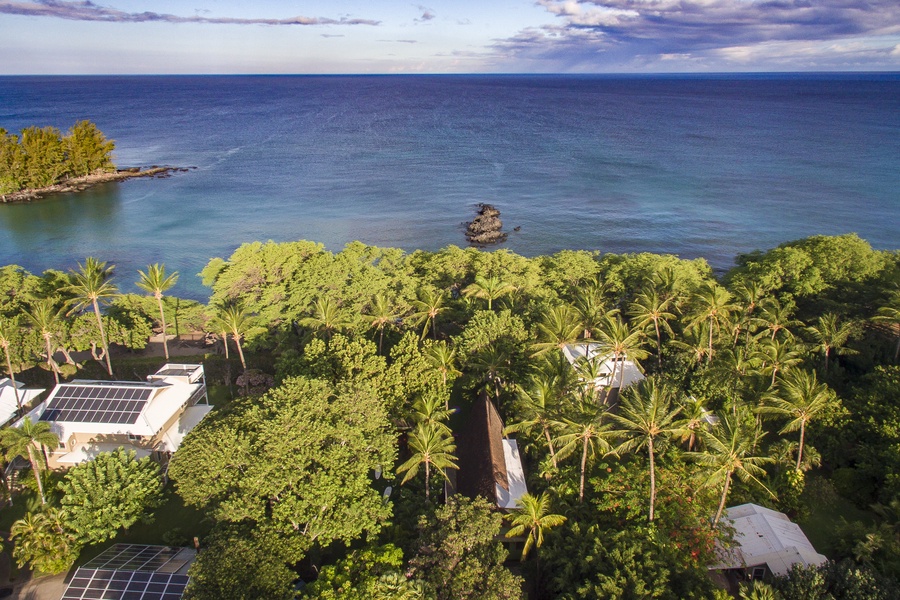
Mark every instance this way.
x=117 y=404
x=131 y=572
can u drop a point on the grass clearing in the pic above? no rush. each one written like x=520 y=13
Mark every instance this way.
x=827 y=510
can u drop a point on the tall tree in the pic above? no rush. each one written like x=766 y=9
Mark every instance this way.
x=156 y=282
x=234 y=319
x=382 y=313
x=29 y=441
x=46 y=319
x=441 y=357
x=620 y=340
x=488 y=288
x=532 y=519
x=830 y=335
x=730 y=449
x=91 y=287
x=778 y=317
x=647 y=417
x=889 y=314
x=433 y=447
x=650 y=309
x=429 y=303
x=326 y=316
x=559 y=325
x=778 y=357
x=537 y=406
x=88 y=150
x=7 y=329
x=801 y=398
x=43 y=540
x=587 y=429
x=591 y=306
x=713 y=307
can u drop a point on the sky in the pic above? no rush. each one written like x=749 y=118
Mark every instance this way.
x=446 y=36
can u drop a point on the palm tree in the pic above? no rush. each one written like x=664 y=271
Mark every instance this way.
x=428 y=411
x=381 y=314
x=537 y=406
x=493 y=363
x=889 y=314
x=730 y=450
x=46 y=319
x=830 y=335
x=233 y=319
x=429 y=303
x=326 y=316
x=7 y=329
x=156 y=282
x=714 y=307
x=558 y=326
x=800 y=398
x=649 y=308
x=751 y=294
x=442 y=358
x=531 y=517
x=433 y=447
x=591 y=306
x=694 y=344
x=694 y=416
x=488 y=288
x=91 y=287
x=29 y=441
x=621 y=341
x=588 y=430
x=777 y=317
x=778 y=357
x=646 y=416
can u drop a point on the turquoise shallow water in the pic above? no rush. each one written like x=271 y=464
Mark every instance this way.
x=696 y=166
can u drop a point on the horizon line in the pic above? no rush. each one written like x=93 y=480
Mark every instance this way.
x=469 y=74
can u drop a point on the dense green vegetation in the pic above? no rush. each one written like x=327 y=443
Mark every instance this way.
x=40 y=157
x=356 y=370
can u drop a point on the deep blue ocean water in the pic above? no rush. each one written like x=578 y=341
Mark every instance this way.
x=693 y=165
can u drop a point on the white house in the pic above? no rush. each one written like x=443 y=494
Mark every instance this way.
x=612 y=372
x=8 y=404
x=151 y=417
x=766 y=543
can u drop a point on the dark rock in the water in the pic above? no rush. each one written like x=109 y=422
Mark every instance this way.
x=486 y=228
x=518 y=228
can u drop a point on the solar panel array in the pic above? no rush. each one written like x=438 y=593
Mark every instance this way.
x=97 y=404
x=131 y=572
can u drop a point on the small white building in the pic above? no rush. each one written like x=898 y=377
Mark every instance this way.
x=626 y=371
x=8 y=403
x=151 y=417
x=766 y=543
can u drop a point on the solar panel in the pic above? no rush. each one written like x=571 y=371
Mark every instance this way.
x=127 y=571
x=97 y=403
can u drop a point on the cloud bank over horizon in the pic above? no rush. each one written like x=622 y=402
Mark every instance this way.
x=347 y=36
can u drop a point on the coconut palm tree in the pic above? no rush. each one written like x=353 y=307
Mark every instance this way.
x=326 y=316
x=714 y=307
x=442 y=358
x=46 y=319
x=428 y=411
x=558 y=326
x=777 y=357
x=91 y=287
x=155 y=282
x=693 y=418
x=433 y=447
x=29 y=441
x=537 y=406
x=750 y=294
x=7 y=329
x=646 y=419
x=429 y=303
x=620 y=340
x=382 y=313
x=493 y=363
x=531 y=517
x=233 y=319
x=730 y=450
x=588 y=430
x=591 y=306
x=889 y=314
x=800 y=398
x=649 y=308
x=488 y=288
x=778 y=317
x=830 y=335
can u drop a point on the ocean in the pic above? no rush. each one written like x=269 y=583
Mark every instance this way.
x=698 y=166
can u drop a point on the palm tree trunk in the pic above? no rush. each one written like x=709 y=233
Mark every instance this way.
x=225 y=343
x=800 y=448
x=37 y=473
x=380 y=339
x=658 y=343
x=237 y=341
x=12 y=377
x=652 y=479
x=827 y=352
x=724 y=497
x=103 y=337
x=709 y=356
x=584 y=454
x=50 y=361
x=162 y=317
x=550 y=445
x=427 y=481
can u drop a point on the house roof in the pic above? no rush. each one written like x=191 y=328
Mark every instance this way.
x=8 y=405
x=489 y=465
x=134 y=408
x=766 y=537
x=627 y=372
